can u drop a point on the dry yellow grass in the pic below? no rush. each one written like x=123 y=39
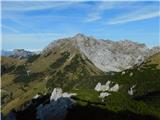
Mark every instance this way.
x=155 y=59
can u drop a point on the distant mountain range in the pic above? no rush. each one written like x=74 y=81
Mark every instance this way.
x=6 y=53
x=18 y=53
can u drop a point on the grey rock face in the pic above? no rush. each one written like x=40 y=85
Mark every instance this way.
x=55 y=110
x=113 y=56
x=108 y=55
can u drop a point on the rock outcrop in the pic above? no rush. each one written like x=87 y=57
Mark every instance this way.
x=58 y=93
x=107 y=87
x=103 y=95
x=100 y=87
x=115 y=88
x=130 y=91
x=57 y=108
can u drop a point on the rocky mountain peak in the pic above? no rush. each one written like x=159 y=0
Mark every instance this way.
x=107 y=55
x=79 y=35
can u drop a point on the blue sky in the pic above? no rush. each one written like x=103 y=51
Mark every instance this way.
x=33 y=25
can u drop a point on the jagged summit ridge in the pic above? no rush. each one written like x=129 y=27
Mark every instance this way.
x=107 y=55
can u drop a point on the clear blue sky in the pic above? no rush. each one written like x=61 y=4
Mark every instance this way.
x=33 y=25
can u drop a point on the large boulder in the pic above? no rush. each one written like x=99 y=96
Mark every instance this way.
x=100 y=87
x=58 y=93
x=103 y=95
x=106 y=87
x=130 y=91
x=55 y=110
x=115 y=88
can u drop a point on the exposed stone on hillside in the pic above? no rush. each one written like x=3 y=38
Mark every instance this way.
x=103 y=95
x=58 y=93
x=107 y=87
x=100 y=87
x=130 y=91
x=115 y=88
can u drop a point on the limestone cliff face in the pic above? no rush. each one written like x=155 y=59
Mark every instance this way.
x=107 y=55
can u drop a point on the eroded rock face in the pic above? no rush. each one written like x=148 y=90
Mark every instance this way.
x=107 y=55
x=115 y=56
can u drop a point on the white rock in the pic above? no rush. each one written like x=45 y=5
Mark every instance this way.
x=98 y=87
x=56 y=94
x=58 y=106
x=131 y=74
x=65 y=94
x=130 y=91
x=36 y=96
x=28 y=72
x=103 y=95
x=115 y=88
x=123 y=73
x=106 y=87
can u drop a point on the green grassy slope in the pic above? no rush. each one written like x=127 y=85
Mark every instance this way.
x=146 y=98
x=69 y=69
x=45 y=73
